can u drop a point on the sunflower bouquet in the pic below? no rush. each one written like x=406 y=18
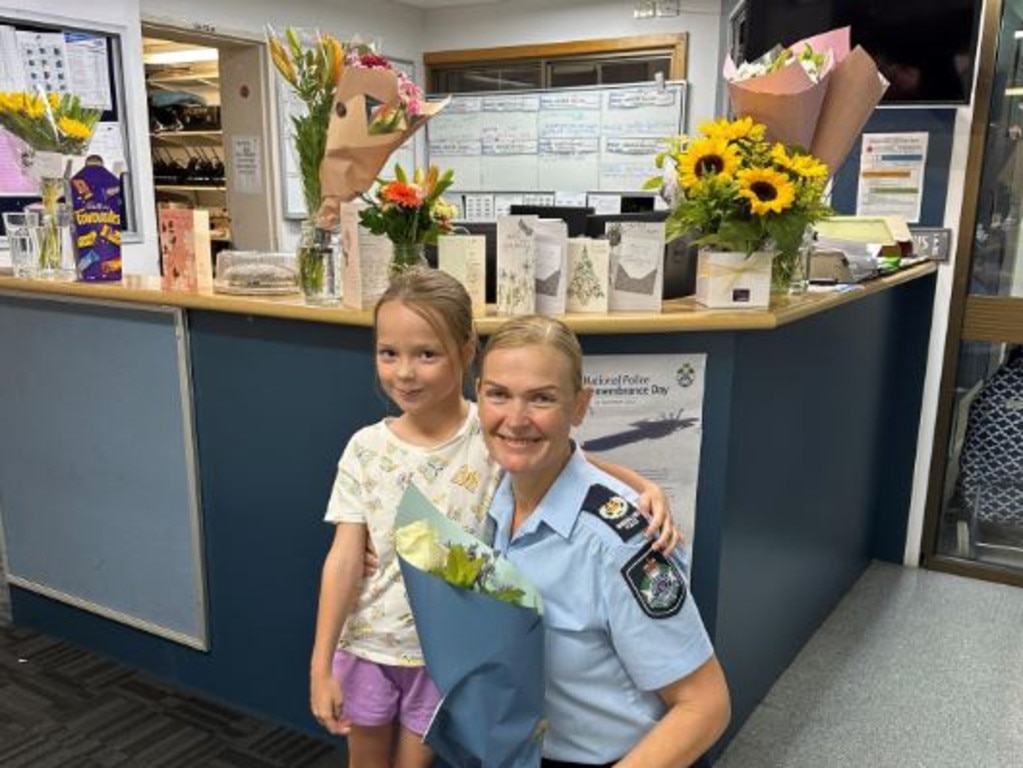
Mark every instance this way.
x=733 y=190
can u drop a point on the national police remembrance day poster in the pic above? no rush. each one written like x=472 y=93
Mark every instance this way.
x=647 y=414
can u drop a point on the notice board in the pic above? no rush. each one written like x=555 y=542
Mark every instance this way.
x=592 y=139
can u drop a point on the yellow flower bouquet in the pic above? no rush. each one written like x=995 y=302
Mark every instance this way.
x=733 y=190
x=48 y=122
x=52 y=126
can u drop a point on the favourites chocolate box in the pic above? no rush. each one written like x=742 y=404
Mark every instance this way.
x=98 y=210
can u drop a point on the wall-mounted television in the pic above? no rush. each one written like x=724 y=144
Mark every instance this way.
x=926 y=48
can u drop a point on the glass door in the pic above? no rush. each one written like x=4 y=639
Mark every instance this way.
x=975 y=505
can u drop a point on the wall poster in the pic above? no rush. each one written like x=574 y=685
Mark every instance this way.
x=647 y=414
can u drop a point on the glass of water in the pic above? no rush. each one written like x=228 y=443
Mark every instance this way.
x=21 y=228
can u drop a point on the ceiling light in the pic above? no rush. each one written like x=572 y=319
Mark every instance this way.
x=184 y=56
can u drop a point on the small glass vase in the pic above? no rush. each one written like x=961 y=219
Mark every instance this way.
x=408 y=256
x=790 y=273
x=319 y=264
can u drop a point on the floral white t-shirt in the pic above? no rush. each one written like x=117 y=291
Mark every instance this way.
x=374 y=470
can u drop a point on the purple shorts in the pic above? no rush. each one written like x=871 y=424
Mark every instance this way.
x=377 y=694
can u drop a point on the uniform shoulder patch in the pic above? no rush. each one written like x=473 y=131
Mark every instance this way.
x=656 y=582
x=614 y=511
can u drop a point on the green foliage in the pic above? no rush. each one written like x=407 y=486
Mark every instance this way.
x=466 y=569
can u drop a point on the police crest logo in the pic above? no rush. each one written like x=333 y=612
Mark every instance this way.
x=614 y=511
x=656 y=582
x=613 y=508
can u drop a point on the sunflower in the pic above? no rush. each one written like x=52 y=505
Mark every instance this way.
x=804 y=166
x=707 y=157
x=768 y=190
x=733 y=130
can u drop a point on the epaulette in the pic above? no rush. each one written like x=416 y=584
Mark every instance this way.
x=615 y=511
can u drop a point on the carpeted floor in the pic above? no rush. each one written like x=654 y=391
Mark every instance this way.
x=62 y=707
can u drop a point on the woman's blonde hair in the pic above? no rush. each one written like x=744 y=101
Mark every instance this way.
x=528 y=330
x=441 y=301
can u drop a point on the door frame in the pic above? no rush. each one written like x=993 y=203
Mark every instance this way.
x=970 y=318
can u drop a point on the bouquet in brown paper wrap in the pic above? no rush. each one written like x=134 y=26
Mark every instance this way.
x=376 y=109
x=359 y=109
x=815 y=94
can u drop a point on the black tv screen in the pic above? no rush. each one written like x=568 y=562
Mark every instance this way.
x=926 y=48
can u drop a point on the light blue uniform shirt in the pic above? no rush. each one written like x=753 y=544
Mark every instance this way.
x=619 y=621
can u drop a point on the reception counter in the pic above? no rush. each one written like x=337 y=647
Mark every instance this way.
x=165 y=460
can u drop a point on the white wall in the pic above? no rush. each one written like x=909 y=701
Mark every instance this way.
x=556 y=21
x=396 y=27
x=121 y=17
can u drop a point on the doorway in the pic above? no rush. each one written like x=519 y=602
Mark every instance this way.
x=210 y=137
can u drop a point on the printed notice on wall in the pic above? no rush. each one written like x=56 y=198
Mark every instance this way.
x=647 y=414
x=248 y=168
x=891 y=181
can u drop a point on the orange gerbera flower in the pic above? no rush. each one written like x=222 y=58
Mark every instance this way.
x=405 y=195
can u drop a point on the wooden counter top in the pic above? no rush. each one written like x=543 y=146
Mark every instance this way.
x=678 y=315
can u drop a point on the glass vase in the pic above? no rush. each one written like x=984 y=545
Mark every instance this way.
x=54 y=244
x=408 y=256
x=319 y=264
x=790 y=273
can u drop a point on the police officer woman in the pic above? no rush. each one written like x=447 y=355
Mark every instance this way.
x=632 y=679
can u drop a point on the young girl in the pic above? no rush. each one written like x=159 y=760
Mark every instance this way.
x=368 y=681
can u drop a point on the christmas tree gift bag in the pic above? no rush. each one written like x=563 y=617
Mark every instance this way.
x=588 y=267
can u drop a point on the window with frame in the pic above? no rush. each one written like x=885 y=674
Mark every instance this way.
x=558 y=65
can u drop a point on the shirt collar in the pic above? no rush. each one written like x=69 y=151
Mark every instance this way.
x=558 y=509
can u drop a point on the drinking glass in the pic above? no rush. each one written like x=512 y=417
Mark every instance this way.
x=20 y=228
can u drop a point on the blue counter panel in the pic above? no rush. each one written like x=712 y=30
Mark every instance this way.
x=91 y=395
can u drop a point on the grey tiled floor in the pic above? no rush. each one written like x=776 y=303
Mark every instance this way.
x=914 y=669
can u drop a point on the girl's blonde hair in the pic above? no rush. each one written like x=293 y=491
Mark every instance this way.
x=441 y=301
x=528 y=330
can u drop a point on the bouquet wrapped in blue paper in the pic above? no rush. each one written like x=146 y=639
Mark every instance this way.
x=480 y=626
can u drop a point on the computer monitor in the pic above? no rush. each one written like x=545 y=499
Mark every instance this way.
x=679 y=255
x=574 y=216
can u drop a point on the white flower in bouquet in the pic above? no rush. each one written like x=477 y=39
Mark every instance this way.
x=418 y=543
x=812 y=62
